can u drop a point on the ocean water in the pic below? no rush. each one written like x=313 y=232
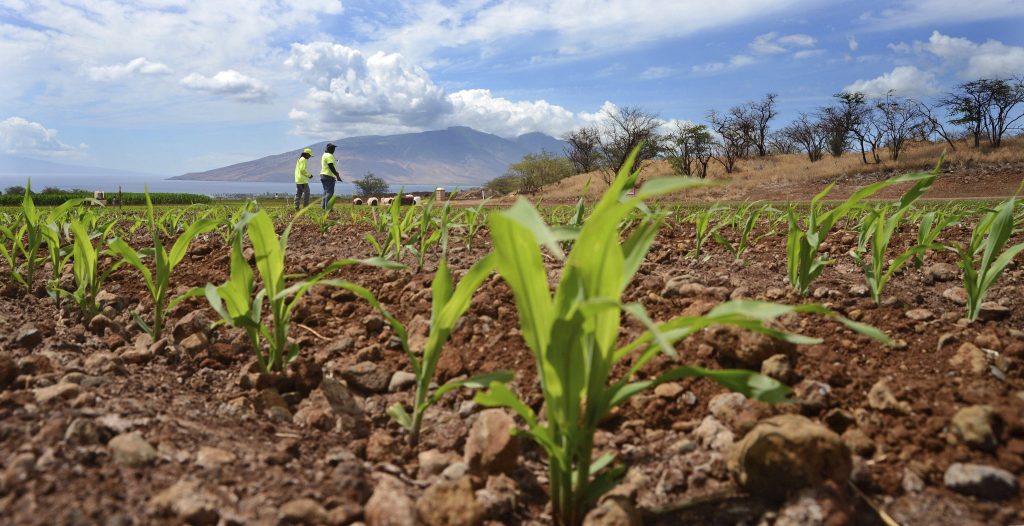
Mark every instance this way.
x=132 y=183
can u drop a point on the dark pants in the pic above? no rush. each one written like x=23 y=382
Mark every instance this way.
x=301 y=191
x=328 y=183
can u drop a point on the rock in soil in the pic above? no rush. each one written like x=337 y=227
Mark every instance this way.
x=985 y=482
x=974 y=427
x=614 y=511
x=186 y=501
x=490 y=447
x=449 y=503
x=969 y=359
x=400 y=381
x=28 y=338
x=366 y=377
x=301 y=511
x=212 y=457
x=789 y=452
x=433 y=462
x=778 y=367
x=992 y=311
x=389 y=505
x=498 y=497
x=881 y=397
x=743 y=347
x=131 y=449
x=192 y=323
x=8 y=371
x=60 y=391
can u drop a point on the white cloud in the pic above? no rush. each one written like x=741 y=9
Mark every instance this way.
x=736 y=61
x=656 y=73
x=138 y=66
x=907 y=81
x=353 y=93
x=576 y=27
x=231 y=84
x=988 y=59
x=852 y=42
x=808 y=53
x=924 y=13
x=481 y=110
x=772 y=43
x=350 y=91
x=22 y=137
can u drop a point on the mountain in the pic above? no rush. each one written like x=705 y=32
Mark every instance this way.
x=455 y=156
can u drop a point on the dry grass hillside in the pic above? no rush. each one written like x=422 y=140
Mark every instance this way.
x=972 y=173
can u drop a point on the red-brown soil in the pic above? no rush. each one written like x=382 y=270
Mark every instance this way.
x=57 y=465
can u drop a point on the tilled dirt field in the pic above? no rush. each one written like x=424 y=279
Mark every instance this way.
x=99 y=425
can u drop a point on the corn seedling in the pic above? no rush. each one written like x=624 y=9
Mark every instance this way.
x=237 y=306
x=449 y=303
x=573 y=334
x=930 y=226
x=86 y=267
x=743 y=222
x=989 y=238
x=703 y=229
x=26 y=237
x=878 y=229
x=803 y=262
x=158 y=280
x=474 y=219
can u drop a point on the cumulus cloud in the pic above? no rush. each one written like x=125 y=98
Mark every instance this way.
x=907 y=81
x=988 y=59
x=351 y=92
x=852 y=42
x=231 y=84
x=773 y=43
x=23 y=137
x=736 y=61
x=483 y=111
x=138 y=66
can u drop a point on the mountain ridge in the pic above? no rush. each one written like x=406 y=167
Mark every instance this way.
x=457 y=155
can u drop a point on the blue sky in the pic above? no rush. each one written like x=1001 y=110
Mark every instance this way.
x=169 y=86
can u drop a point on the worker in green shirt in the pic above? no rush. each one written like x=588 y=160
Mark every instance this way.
x=328 y=174
x=302 y=179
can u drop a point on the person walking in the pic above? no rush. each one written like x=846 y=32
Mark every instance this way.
x=328 y=175
x=302 y=179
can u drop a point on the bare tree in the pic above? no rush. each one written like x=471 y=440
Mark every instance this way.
x=835 y=124
x=931 y=125
x=734 y=134
x=780 y=143
x=583 y=148
x=966 y=107
x=864 y=126
x=760 y=113
x=899 y=121
x=810 y=135
x=627 y=128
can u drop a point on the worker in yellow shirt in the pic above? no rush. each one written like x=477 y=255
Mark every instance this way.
x=302 y=179
x=328 y=174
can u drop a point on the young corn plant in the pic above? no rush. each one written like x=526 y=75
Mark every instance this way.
x=878 y=228
x=26 y=237
x=989 y=239
x=803 y=263
x=237 y=305
x=86 y=267
x=573 y=334
x=158 y=280
x=449 y=303
x=474 y=219
x=703 y=230
x=744 y=222
x=930 y=226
